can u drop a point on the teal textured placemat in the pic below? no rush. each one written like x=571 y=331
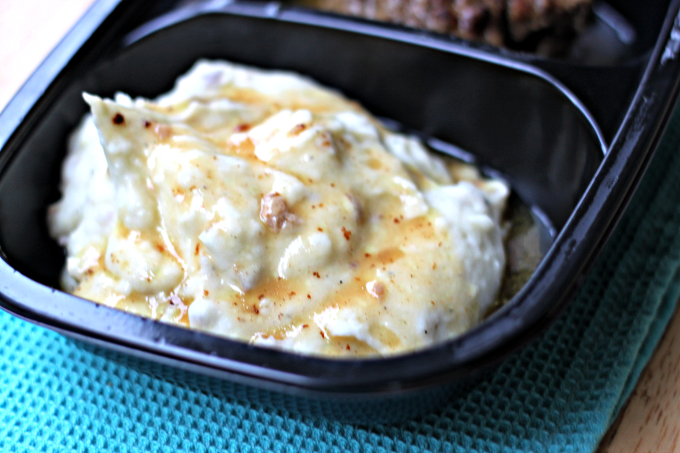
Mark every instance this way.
x=558 y=395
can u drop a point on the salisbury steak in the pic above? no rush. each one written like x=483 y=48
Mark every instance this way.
x=543 y=26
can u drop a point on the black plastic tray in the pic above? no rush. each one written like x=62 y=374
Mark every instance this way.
x=572 y=139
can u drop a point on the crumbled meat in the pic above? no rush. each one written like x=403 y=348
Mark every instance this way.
x=162 y=131
x=274 y=212
x=546 y=26
x=375 y=289
x=298 y=129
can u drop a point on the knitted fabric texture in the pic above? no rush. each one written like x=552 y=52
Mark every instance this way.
x=558 y=395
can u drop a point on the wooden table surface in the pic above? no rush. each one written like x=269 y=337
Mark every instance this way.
x=650 y=422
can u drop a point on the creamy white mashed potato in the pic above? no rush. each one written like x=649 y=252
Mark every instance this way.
x=262 y=207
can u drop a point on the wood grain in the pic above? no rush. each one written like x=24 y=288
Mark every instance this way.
x=29 y=29
x=650 y=422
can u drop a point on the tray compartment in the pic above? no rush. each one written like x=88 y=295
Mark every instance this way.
x=581 y=189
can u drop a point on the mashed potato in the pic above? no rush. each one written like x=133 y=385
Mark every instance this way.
x=262 y=207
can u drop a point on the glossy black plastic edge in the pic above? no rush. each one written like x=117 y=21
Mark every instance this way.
x=275 y=11
x=599 y=208
x=569 y=74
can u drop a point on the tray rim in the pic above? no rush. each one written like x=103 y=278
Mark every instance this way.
x=10 y=297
